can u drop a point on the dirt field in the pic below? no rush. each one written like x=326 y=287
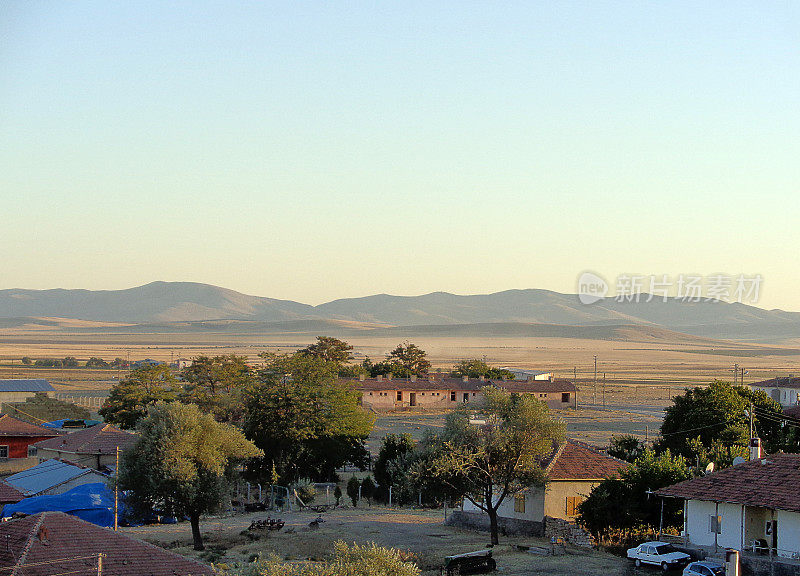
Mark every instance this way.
x=421 y=532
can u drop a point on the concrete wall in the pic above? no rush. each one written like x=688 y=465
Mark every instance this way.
x=90 y=478
x=788 y=533
x=437 y=399
x=510 y=526
x=698 y=524
x=558 y=492
x=89 y=460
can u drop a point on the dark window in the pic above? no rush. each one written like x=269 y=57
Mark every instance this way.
x=3 y=451
x=452 y=396
x=32 y=451
x=565 y=396
x=399 y=396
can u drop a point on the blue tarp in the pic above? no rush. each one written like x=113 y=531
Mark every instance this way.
x=91 y=502
x=59 y=424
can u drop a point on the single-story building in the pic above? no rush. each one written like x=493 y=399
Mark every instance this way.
x=573 y=470
x=437 y=391
x=18 y=436
x=95 y=446
x=784 y=390
x=19 y=390
x=53 y=477
x=527 y=374
x=740 y=506
x=55 y=543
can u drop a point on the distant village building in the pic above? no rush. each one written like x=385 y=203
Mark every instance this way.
x=18 y=436
x=749 y=506
x=51 y=543
x=437 y=391
x=784 y=390
x=523 y=374
x=19 y=390
x=573 y=470
x=182 y=363
x=95 y=447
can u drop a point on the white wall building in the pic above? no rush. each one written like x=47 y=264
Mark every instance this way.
x=785 y=390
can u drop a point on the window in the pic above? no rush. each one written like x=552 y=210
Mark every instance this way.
x=571 y=505
x=3 y=451
x=452 y=396
x=399 y=396
x=519 y=503
x=714 y=524
x=370 y=393
x=565 y=396
x=32 y=451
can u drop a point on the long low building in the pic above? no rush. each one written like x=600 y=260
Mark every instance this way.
x=784 y=390
x=438 y=391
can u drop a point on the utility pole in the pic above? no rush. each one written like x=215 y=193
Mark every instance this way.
x=594 y=390
x=741 y=378
x=751 y=419
x=604 y=390
x=735 y=373
x=100 y=563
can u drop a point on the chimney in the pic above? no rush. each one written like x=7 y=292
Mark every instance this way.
x=379 y=378
x=483 y=378
x=755 y=449
x=413 y=377
x=389 y=376
x=465 y=378
x=362 y=377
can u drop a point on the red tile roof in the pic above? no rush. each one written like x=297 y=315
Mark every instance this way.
x=11 y=426
x=9 y=494
x=55 y=543
x=99 y=439
x=459 y=385
x=575 y=460
x=770 y=483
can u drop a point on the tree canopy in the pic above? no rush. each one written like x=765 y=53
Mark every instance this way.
x=306 y=421
x=475 y=368
x=489 y=452
x=217 y=385
x=391 y=465
x=329 y=349
x=181 y=462
x=130 y=398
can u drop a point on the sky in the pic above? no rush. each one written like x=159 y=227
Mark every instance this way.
x=319 y=150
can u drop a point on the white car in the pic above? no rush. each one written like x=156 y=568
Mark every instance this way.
x=658 y=554
x=704 y=568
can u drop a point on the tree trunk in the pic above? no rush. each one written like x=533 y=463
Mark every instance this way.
x=492 y=512
x=198 y=539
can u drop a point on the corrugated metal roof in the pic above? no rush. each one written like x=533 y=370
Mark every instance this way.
x=26 y=385
x=46 y=475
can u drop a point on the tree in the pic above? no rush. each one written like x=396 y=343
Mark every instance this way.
x=354 y=560
x=27 y=360
x=217 y=385
x=392 y=462
x=337 y=493
x=626 y=447
x=715 y=421
x=329 y=349
x=488 y=453
x=181 y=462
x=475 y=368
x=307 y=422
x=70 y=362
x=626 y=502
x=94 y=362
x=130 y=398
x=367 y=489
x=353 y=486
x=408 y=359
x=119 y=363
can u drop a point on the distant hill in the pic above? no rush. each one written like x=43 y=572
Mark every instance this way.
x=512 y=311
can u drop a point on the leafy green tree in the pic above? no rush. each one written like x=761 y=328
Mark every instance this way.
x=625 y=502
x=355 y=560
x=368 y=489
x=352 y=490
x=475 y=368
x=626 y=447
x=27 y=360
x=392 y=462
x=48 y=363
x=408 y=359
x=70 y=362
x=330 y=349
x=715 y=420
x=181 y=463
x=217 y=385
x=488 y=453
x=307 y=422
x=130 y=398
x=119 y=363
x=94 y=362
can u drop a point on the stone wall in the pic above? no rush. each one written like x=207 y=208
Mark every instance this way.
x=568 y=531
x=509 y=526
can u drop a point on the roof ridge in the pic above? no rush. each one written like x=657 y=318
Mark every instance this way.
x=558 y=452
x=28 y=544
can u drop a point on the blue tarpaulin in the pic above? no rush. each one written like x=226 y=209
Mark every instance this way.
x=91 y=502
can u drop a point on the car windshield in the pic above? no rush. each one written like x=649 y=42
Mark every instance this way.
x=717 y=570
x=664 y=549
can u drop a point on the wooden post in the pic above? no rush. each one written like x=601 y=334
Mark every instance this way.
x=100 y=563
x=116 y=493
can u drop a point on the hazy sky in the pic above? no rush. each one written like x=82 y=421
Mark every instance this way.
x=316 y=150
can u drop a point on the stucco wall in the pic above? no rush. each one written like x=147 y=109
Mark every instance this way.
x=788 y=533
x=699 y=528
x=558 y=492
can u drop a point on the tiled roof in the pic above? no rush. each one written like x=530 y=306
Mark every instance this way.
x=26 y=385
x=575 y=460
x=10 y=426
x=780 y=382
x=48 y=474
x=9 y=494
x=100 y=439
x=56 y=543
x=770 y=483
x=459 y=385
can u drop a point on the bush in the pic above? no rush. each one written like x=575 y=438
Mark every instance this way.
x=352 y=490
x=306 y=492
x=368 y=489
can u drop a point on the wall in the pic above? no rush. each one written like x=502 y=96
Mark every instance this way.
x=557 y=493
x=698 y=527
x=89 y=478
x=18 y=446
x=387 y=399
x=19 y=396
x=90 y=460
x=788 y=533
x=507 y=526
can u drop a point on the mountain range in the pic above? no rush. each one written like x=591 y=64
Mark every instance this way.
x=188 y=302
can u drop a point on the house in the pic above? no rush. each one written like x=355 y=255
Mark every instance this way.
x=784 y=390
x=20 y=390
x=55 y=543
x=438 y=391
x=525 y=374
x=54 y=477
x=95 y=446
x=746 y=503
x=573 y=470
x=18 y=436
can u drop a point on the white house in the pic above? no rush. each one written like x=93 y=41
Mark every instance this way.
x=573 y=470
x=526 y=374
x=785 y=390
x=750 y=503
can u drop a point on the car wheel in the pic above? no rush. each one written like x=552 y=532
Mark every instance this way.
x=664 y=566
x=637 y=563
